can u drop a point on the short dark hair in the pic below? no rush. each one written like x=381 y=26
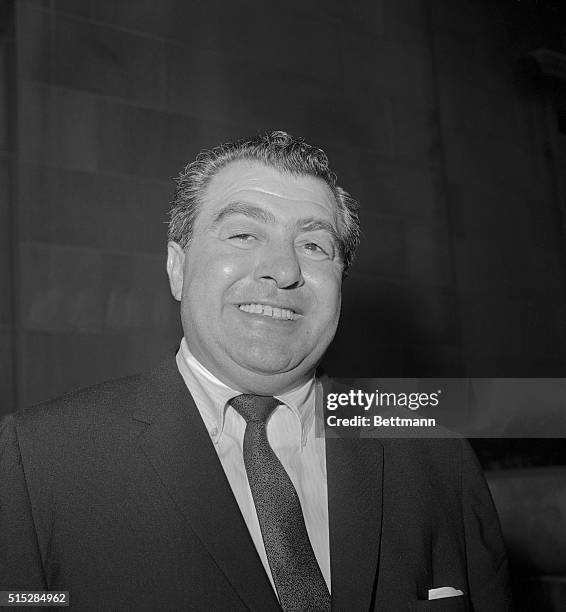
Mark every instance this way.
x=278 y=150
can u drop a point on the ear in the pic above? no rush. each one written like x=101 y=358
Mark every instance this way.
x=175 y=268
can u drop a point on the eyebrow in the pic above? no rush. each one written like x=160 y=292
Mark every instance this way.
x=308 y=224
x=312 y=224
x=248 y=210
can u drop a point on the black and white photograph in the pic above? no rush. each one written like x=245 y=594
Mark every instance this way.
x=283 y=305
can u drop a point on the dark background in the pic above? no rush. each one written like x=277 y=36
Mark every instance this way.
x=435 y=115
x=424 y=107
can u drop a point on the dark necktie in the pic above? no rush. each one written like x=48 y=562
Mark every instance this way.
x=296 y=574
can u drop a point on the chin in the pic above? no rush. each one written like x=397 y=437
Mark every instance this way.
x=266 y=360
x=266 y=366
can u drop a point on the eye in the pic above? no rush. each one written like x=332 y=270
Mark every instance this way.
x=242 y=238
x=314 y=250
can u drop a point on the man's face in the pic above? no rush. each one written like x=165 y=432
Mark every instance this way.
x=260 y=281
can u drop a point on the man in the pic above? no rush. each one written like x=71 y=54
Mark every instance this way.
x=202 y=485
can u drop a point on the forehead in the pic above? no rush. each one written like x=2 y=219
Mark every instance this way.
x=255 y=183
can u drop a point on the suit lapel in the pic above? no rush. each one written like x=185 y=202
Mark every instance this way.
x=355 y=487
x=181 y=452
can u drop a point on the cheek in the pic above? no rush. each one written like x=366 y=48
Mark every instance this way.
x=327 y=312
x=207 y=280
x=327 y=290
x=333 y=298
x=228 y=270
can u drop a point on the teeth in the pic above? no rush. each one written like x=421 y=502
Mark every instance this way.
x=269 y=311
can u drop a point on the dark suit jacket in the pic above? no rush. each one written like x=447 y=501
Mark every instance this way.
x=115 y=493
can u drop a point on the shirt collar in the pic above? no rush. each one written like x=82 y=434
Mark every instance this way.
x=212 y=396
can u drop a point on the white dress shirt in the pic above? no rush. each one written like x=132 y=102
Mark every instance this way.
x=290 y=432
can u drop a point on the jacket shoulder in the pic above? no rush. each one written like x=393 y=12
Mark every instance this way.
x=110 y=401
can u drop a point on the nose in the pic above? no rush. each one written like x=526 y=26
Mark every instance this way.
x=279 y=263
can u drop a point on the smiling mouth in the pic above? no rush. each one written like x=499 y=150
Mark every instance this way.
x=283 y=314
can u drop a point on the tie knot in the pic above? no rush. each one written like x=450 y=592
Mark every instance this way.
x=254 y=407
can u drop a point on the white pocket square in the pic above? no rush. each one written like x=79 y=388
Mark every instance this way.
x=443 y=592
